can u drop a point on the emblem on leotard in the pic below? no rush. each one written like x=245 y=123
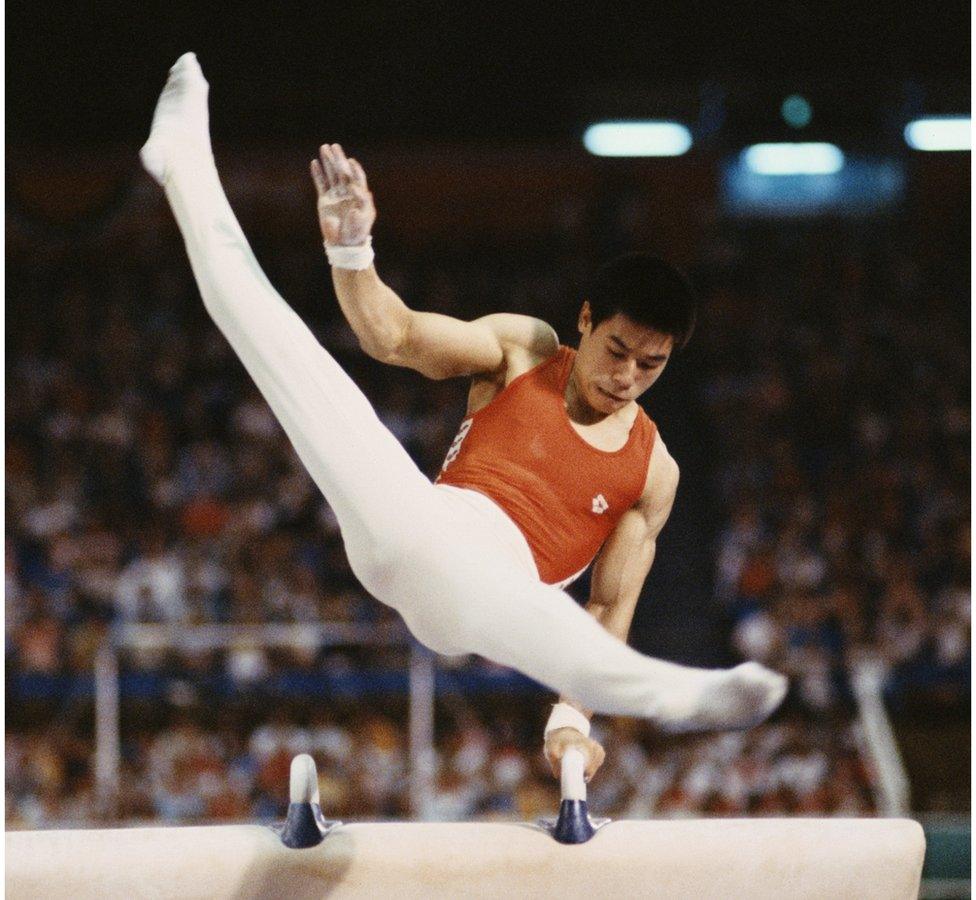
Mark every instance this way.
x=455 y=447
x=600 y=504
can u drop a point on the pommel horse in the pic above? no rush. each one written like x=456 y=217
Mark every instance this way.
x=572 y=856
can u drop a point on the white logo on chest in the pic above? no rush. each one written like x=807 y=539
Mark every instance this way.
x=600 y=505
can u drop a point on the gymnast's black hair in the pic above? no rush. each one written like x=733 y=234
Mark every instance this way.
x=648 y=291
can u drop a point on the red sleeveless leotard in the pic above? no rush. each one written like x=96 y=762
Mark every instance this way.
x=563 y=494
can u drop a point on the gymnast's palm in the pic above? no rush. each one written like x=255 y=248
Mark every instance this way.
x=345 y=203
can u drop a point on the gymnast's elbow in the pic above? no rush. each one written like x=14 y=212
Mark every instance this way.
x=382 y=350
x=385 y=341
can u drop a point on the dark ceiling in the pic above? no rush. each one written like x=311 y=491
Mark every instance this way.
x=373 y=69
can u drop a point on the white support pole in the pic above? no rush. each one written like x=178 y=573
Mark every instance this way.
x=893 y=793
x=107 y=738
x=423 y=760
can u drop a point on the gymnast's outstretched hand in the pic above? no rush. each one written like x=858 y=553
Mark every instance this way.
x=345 y=203
x=561 y=739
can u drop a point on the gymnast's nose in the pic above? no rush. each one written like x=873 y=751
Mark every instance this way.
x=623 y=374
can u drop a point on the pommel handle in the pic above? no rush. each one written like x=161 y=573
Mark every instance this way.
x=573 y=826
x=303 y=786
x=305 y=825
x=572 y=781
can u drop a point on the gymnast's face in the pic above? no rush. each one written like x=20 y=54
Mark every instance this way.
x=617 y=361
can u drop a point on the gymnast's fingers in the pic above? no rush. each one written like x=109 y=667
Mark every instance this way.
x=318 y=177
x=328 y=166
x=359 y=175
x=343 y=168
x=594 y=759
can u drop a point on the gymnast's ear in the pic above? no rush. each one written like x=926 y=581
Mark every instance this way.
x=585 y=318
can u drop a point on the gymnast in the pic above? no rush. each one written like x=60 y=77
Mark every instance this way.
x=555 y=465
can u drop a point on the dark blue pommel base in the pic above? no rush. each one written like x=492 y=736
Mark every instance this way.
x=305 y=825
x=302 y=826
x=573 y=825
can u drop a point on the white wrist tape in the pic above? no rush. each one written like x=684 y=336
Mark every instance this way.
x=565 y=716
x=358 y=257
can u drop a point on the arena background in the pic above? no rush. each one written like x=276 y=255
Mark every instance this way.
x=821 y=415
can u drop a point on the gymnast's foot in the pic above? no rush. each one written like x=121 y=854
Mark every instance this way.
x=729 y=699
x=181 y=125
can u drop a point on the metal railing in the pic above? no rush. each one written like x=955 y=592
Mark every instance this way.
x=108 y=707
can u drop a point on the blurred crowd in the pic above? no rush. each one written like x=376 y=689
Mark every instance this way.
x=837 y=385
x=201 y=769
x=146 y=481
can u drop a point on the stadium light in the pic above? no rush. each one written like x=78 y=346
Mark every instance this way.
x=940 y=133
x=637 y=139
x=793 y=159
x=796 y=111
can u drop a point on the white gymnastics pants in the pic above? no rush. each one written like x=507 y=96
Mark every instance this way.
x=448 y=560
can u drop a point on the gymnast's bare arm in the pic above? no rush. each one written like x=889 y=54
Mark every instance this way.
x=497 y=347
x=618 y=576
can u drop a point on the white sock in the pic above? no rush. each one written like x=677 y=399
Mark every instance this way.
x=181 y=123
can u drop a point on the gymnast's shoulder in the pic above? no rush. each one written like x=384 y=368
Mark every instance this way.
x=523 y=337
x=491 y=347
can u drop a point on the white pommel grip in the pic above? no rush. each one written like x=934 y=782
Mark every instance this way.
x=572 y=780
x=303 y=786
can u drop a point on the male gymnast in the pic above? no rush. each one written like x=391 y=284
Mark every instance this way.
x=555 y=464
